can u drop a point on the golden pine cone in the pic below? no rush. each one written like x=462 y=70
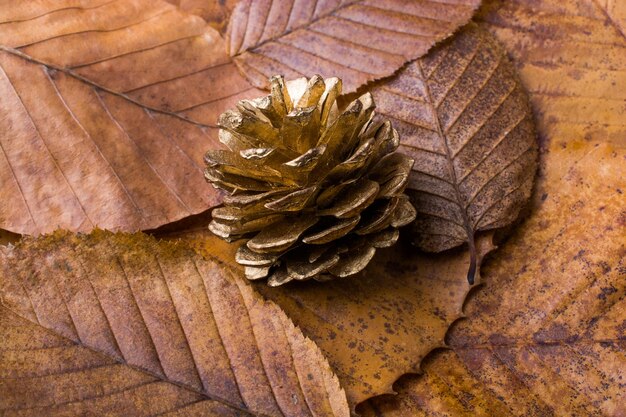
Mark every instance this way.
x=315 y=191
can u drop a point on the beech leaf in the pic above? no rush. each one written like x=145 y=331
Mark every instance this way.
x=545 y=335
x=355 y=40
x=121 y=325
x=107 y=109
x=464 y=117
x=377 y=325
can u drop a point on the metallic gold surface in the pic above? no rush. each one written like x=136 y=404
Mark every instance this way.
x=314 y=191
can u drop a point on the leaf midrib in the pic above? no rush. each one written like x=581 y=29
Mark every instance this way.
x=97 y=86
x=450 y=159
x=186 y=387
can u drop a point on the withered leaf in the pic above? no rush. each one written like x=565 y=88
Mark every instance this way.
x=464 y=117
x=106 y=112
x=546 y=335
x=122 y=325
x=571 y=58
x=377 y=325
x=355 y=40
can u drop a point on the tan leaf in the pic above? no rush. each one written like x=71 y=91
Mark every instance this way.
x=616 y=12
x=214 y=12
x=572 y=60
x=546 y=335
x=377 y=325
x=465 y=119
x=355 y=40
x=107 y=113
x=121 y=325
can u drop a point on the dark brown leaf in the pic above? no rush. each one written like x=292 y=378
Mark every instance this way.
x=355 y=40
x=464 y=117
x=106 y=113
x=121 y=325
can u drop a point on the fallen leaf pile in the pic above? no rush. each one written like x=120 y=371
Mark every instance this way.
x=107 y=109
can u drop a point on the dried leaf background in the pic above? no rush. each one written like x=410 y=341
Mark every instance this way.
x=455 y=384
x=545 y=336
x=137 y=85
x=379 y=326
x=108 y=324
x=376 y=378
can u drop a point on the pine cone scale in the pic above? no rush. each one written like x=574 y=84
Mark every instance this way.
x=281 y=236
x=353 y=200
x=315 y=190
x=333 y=232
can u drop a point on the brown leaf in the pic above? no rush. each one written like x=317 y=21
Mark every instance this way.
x=546 y=335
x=464 y=118
x=121 y=325
x=355 y=40
x=214 y=12
x=377 y=325
x=97 y=102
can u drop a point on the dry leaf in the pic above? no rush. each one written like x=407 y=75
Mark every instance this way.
x=465 y=119
x=377 y=325
x=546 y=335
x=616 y=12
x=355 y=40
x=96 y=99
x=214 y=12
x=572 y=59
x=121 y=325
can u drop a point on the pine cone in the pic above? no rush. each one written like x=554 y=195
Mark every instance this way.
x=315 y=191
